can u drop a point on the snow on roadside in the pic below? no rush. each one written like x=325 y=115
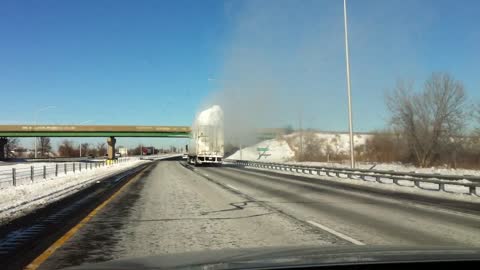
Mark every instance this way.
x=337 y=141
x=397 y=167
x=20 y=200
x=455 y=192
x=278 y=151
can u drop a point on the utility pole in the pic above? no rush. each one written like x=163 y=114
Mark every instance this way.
x=300 y=126
x=347 y=60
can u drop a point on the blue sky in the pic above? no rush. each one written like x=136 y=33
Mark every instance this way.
x=159 y=62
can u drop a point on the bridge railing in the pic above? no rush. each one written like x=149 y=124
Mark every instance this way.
x=21 y=174
x=466 y=184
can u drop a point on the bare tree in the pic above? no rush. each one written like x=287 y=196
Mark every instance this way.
x=85 y=149
x=45 y=146
x=385 y=146
x=313 y=148
x=101 y=149
x=11 y=145
x=66 y=149
x=476 y=115
x=429 y=119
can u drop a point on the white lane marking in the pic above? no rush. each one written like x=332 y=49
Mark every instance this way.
x=339 y=234
x=232 y=187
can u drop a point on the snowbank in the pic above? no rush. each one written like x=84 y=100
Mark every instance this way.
x=278 y=151
x=20 y=200
x=455 y=192
x=397 y=167
x=338 y=143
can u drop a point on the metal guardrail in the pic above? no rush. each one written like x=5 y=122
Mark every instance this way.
x=21 y=174
x=432 y=182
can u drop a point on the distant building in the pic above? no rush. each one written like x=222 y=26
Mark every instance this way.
x=150 y=150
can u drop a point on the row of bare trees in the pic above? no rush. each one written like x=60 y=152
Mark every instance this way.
x=67 y=149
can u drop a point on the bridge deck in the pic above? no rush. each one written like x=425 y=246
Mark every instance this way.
x=93 y=131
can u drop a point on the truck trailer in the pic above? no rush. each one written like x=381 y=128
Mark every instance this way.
x=206 y=145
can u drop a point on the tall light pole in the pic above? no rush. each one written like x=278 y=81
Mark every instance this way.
x=35 y=123
x=300 y=127
x=347 y=60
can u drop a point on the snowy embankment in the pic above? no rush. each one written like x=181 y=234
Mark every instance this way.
x=333 y=142
x=20 y=200
x=275 y=150
x=279 y=151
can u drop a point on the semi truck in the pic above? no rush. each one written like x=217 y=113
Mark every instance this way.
x=206 y=145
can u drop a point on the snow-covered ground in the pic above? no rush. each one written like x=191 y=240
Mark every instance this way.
x=454 y=192
x=278 y=151
x=20 y=200
x=52 y=170
x=397 y=167
x=338 y=143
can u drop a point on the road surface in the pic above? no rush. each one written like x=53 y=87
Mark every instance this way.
x=177 y=209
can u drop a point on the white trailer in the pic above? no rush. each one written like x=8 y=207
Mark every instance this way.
x=207 y=143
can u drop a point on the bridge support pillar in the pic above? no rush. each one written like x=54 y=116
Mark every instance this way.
x=111 y=148
x=3 y=151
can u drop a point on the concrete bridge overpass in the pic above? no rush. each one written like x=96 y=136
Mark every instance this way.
x=90 y=131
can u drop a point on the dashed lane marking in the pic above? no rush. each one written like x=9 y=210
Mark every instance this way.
x=339 y=234
x=232 y=187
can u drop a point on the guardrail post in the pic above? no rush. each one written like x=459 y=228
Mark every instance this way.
x=14 y=176
x=441 y=186
x=79 y=166
x=472 y=190
x=31 y=173
x=91 y=165
x=73 y=167
x=65 y=168
x=56 y=170
x=44 y=172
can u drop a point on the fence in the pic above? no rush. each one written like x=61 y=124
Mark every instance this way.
x=432 y=182
x=28 y=173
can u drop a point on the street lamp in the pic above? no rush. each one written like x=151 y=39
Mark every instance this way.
x=35 y=123
x=350 y=121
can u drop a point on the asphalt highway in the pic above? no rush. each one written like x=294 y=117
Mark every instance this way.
x=177 y=208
